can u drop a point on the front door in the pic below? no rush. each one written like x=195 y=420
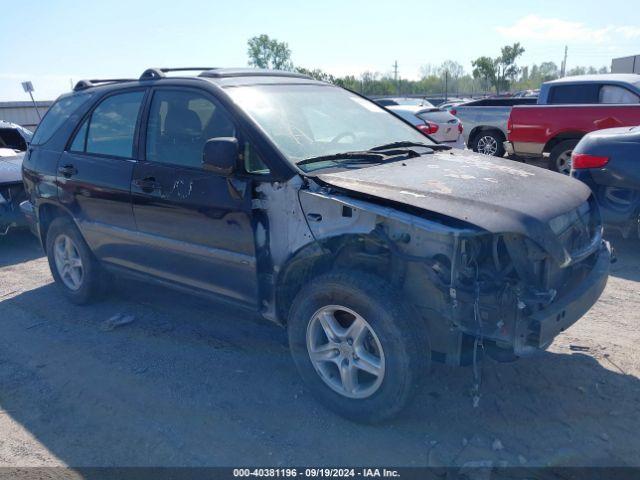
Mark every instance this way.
x=195 y=225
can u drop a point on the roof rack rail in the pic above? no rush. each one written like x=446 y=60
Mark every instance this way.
x=84 y=84
x=251 y=72
x=158 y=73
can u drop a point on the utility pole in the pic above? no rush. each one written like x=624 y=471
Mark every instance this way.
x=395 y=76
x=446 y=85
x=563 y=69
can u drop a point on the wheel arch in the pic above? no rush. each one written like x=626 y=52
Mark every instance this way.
x=561 y=137
x=476 y=131
x=357 y=252
x=47 y=213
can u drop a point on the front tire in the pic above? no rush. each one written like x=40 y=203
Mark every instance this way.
x=360 y=351
x=73 y=266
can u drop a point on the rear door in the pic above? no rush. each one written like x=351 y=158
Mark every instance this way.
x=194 y=226
x=94 y=174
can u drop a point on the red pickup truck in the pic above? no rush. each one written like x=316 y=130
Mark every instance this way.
x=536 y=130
x=567 y=110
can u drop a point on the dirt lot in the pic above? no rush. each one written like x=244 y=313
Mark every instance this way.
x=192 y=383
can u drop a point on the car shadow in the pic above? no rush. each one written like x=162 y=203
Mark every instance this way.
x=191 y=383
x=626 y=250
x=19 y=246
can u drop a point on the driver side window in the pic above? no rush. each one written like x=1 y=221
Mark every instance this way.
x=180 y=123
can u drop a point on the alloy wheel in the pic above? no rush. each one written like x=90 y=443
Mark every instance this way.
x=487 y=145
x=563 y=162
x=345 y=351
x=68 y=262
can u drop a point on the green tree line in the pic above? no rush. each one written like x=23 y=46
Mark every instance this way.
x=498 y=74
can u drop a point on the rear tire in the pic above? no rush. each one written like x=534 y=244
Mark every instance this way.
x=73 y=265
x=560 y=156
x=393 y=346
x=488 y=142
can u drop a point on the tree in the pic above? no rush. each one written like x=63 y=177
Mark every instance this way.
x=484 y=68
x=506 y=68
x=265 y=52
x=450 y=73
x=577 y=71
x=317 y=74
x=453 y=69
x=548 y=71
x=502 y=70
x=427 y=70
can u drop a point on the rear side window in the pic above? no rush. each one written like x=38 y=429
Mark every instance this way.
x=111 y=127
x=574 y=94
x=616 y=94
x=56 y=116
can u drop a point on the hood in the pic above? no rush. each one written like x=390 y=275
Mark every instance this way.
x=11 y=168
x=497 y=195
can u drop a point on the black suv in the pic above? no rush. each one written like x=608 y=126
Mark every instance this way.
x=377 y=248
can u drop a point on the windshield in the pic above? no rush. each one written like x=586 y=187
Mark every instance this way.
x=307 y=121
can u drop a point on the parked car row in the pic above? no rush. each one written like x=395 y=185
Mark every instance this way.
x=567 y=109
x=377 y=248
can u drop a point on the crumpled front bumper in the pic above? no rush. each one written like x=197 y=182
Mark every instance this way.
x=539 y=329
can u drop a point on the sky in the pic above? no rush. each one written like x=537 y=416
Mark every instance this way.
x=56 y=42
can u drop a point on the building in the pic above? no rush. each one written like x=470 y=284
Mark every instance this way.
x=23 y=113
x=626 y=64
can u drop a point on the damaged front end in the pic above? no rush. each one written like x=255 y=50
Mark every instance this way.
x=467 y=283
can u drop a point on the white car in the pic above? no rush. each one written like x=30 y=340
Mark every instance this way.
x=441 y=126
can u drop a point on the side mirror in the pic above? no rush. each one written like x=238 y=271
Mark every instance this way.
x=220 y=155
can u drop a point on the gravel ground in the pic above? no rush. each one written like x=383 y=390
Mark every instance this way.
x=191 y=383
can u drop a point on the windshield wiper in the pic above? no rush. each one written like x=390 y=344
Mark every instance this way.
x=365 y=157
x=380 y=153
x=387 y=146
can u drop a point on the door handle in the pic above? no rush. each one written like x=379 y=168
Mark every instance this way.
x=67 y=171
x=147 y=184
